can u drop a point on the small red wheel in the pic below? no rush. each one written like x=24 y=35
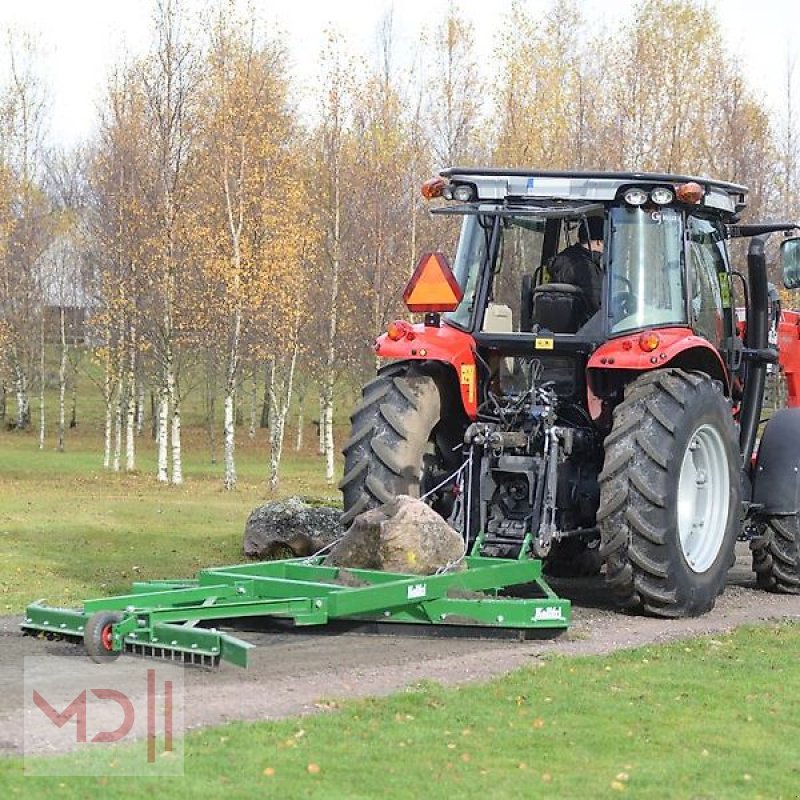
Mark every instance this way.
x=98 y=636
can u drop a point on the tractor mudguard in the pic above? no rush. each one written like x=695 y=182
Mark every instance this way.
x=776 y=474
x=444 y=344
x=675 y=347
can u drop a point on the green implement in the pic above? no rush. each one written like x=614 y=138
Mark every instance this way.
x=170 y=619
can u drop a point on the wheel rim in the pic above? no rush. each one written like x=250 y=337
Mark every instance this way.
x=703 y=498
x=106 y=638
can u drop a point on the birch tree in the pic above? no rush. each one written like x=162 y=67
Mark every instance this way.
x=169 y=80
x=247 y=192
x=27 y=233
x=332 y=143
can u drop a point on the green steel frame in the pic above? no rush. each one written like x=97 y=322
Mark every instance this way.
x=165 y=618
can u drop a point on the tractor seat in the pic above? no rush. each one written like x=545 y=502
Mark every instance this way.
x=559 y=307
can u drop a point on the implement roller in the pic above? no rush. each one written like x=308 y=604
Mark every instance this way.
x=169 y=619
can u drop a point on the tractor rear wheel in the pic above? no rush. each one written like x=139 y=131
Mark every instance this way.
x=405 y=439
x=776 y=555
x=670 y=494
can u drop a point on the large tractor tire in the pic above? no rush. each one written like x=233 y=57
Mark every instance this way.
x=670 y=494
x=776 y=555
x=405 y=439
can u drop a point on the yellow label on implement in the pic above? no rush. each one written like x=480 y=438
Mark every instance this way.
x=468 y=380
x=544 y=344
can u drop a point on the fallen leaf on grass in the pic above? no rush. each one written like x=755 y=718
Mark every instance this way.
x=538 y=723
x=617 y=786
x=313 y=769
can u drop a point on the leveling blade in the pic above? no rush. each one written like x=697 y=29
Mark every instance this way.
x=169 y=619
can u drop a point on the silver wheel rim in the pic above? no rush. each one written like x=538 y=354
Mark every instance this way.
x=703 y=498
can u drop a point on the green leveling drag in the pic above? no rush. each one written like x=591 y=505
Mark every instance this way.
x=172 y=619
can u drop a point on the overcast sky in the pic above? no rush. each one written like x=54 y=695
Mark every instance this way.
x=82 y=39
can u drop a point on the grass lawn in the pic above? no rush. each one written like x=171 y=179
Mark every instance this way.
x=71 y=530
x=709 y=718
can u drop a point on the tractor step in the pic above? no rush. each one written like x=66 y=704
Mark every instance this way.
x=165 y=619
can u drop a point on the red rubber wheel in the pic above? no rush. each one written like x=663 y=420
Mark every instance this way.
x=98 y=636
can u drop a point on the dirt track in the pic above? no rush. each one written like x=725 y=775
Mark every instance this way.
x=291 y=673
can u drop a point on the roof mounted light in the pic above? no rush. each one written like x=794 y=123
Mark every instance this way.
x=690 y=192
x=662 y=196
x=464 y=192
x=433 y=187
x=635 y=197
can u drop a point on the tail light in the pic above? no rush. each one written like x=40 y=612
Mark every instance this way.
x=649 y=341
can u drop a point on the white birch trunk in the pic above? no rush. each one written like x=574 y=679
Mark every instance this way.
x=278 y=417
x=162 y=434
x=139 y=406
x=117 y=425
x=330 y=361
x=130 y=412
x=229 y=424
x=42 y=380
x=329 y=451
x=228 y=433
x=177 y=458
x=301 y=396
x=62 y=381
x=109 y=421
x=119 y=395
x=251 y=433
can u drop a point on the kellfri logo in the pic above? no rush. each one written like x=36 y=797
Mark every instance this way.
x=84 y=708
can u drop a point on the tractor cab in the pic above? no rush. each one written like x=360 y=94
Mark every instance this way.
x=642 y=253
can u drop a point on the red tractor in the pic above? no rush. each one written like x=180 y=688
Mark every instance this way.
x=606 y=421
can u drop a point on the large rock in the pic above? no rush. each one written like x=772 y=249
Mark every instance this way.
x=290 y=528
x=403 y=535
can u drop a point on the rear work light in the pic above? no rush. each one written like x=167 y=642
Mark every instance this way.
x=661 y=196
x=463 y=193
x=636 y=197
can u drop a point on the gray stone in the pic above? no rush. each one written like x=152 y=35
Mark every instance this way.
x=403 y=535
x=290 y=528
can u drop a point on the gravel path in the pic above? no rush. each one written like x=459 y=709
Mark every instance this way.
x=295 y=673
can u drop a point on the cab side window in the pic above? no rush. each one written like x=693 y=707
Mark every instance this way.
x=708 y=279
x=520 y=255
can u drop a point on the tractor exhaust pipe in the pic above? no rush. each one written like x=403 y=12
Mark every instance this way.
x=755 y=339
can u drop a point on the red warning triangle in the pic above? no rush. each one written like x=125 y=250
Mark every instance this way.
x=432 y=287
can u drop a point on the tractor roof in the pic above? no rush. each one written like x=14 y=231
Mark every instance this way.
x=502 y=184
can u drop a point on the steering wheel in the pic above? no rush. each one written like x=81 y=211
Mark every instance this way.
x=623 y=302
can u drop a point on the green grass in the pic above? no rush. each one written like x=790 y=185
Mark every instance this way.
x=71 y=530
x=709 y=718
